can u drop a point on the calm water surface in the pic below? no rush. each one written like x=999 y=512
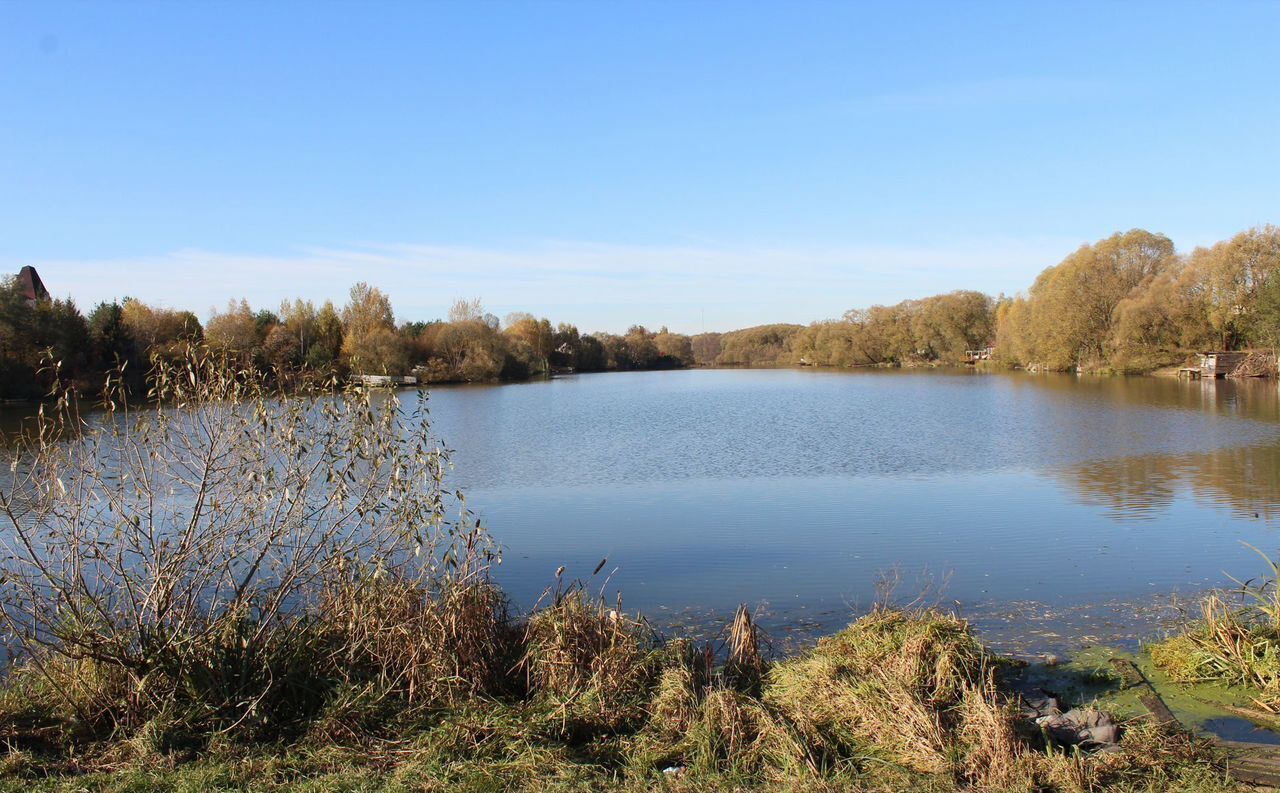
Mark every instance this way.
x=1058 y=507
x=799 y=489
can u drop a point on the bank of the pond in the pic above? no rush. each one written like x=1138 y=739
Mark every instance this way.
x=398 y=690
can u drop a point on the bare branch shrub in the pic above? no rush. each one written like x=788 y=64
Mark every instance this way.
x=184 y=549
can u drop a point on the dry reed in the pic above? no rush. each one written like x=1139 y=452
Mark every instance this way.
x=597 y=663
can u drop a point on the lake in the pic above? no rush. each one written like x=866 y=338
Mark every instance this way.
x=798 y=490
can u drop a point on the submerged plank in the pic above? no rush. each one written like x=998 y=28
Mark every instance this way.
x=1128 y=672
x=1156 y=707
x=1133 y=678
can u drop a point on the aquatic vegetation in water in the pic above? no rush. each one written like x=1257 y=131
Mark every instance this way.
x=1234 y=644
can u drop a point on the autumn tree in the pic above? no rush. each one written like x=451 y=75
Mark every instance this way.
x=763 y=345
x=326 y=343
x=532 y=340
x=1013 y=331
x=706 y=348
x=160 y=331
x=945 y=327
x=565 y=343
x=592 y=356
x=233 y=331
x=638 y=349
x=1162 y=323
x=420 y=340
x=470 y=347
x=290 y=338
x=466 y=310
x=370 y=343
x=1071 y=307
x=1235 y=274
x=675 y=347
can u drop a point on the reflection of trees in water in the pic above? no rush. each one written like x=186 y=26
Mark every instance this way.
x=1243 y=480
x=1245 y=398
x=1133 y=488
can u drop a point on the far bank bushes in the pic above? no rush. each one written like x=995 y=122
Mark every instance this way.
x=303 y=343
x=1128 y=303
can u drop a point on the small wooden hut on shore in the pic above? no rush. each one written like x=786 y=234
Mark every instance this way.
x=1235 y=363
x=1220 y=363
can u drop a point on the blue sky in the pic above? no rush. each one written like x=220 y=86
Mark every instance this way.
x=697 y=164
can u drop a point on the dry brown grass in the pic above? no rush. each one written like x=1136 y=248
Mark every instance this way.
x=700 y=721
x=898 y=701
x=990 y=752
x=428 y=647
x=745 y=667
x=735 y=733
x=678 y=693
x=890 y=682
x=597 y=662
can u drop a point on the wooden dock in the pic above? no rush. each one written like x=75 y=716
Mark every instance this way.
x=1256 y=764
x=383 y=381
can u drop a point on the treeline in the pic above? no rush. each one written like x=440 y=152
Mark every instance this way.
x=473 y=345
x=1128 y=303
x=303 y=341
x=1131 y=303
x=763 y=345
x=934 y=330
x=36 y=332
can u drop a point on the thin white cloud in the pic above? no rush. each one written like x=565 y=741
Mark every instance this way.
x=983 y=93
x=597 y=286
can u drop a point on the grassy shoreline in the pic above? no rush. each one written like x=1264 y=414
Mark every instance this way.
x=580 y=696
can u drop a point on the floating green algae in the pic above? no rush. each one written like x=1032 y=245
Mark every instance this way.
x=1208 y=708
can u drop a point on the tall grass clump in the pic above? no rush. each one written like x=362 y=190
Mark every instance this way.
x=899 y=700
x=594 y=661
x=745 y=666
x=433 y=646
x=1234 y=643
x=710 y=718
x=193 y=561
x=915 y=690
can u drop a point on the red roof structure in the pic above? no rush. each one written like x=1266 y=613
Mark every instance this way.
x=32 y=287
